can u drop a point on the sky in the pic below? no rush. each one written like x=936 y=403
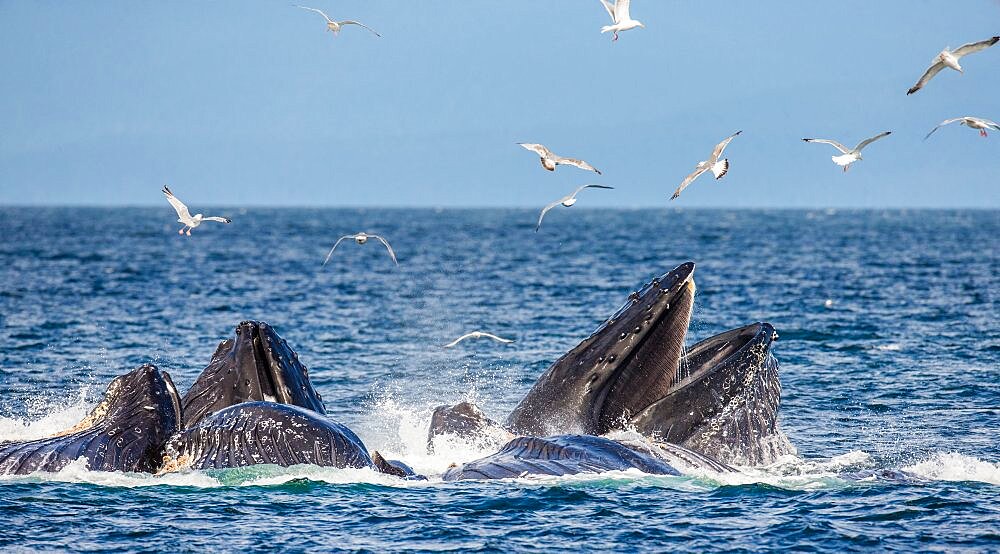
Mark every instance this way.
x=253 y=103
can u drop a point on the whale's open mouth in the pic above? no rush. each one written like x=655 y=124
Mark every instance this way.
x=255 y=365
x=628 y=363
x=727 y=394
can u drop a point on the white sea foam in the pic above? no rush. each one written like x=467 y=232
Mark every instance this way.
x=952 y=466
x=59 y=415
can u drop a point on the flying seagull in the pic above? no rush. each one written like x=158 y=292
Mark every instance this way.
x=362 y=238
x=972 y=122
x=184 y=216
x=719 y=168
x=477 y=335
x=550 y=160
x=335 y=26
x=567 y=201
x=950 y=59
x=620 y=17
x=848 y=156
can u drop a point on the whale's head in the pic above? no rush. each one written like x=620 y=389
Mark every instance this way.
x=126 y=431
x=256 y=364
x=628 y=363
x=724 y=399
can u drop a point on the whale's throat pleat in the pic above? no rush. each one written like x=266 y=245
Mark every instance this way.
x=652 y=364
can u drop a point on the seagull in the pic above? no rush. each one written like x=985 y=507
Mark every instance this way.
x=362 y=238
x=184 y=216
x=950 y=59
x=620 y=17
x=719 y=168
x=477 y=335
x=550 y=160
x=567 y=201
x=971 y=122
x=849 y=156
x=335 y=26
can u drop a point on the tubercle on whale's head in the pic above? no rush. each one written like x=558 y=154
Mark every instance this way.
x=620 y=368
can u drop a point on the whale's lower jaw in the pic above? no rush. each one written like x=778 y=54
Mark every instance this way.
x=574 y=454
x=283 y=435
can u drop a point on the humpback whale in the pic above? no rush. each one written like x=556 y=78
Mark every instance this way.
x=624 y=366
x=254 y=433
x=719 y=399
x=256 y=364
x=126 y=431
x=573 y=454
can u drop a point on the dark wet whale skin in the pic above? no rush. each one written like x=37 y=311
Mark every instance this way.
x=253 y=433
x=256 y=365
x=125 y=432
x=725 y=400
x=573 y=454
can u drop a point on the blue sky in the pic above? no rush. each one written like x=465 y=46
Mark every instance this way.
x=254 y=103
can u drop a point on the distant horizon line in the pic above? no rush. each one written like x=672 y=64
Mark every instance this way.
x=500 y=207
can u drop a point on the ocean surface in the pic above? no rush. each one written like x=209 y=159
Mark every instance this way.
x=889 y=351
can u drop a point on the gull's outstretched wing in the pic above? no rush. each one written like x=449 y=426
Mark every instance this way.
x=219 y=219
x=621 y=11
x=387 y=247
x=719 y=148
x=610 y=8
x=459 y=339
x=576 y=163
x=577 y=191
x=928 y=75
x=476 y=335
x=843 y=149
x=546 y=209
x=321 y=12
x=942 y=124
x=359 y=24
x=991 y=124
x=179 y=207
x=690 y=179
x=974 y=47
x=536 y=148
x=335 y=245
x=494 y=337
x=861 y=145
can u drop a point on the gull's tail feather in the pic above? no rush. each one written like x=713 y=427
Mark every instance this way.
x=720 y=168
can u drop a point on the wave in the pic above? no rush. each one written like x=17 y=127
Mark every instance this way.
x=398 y=431
x=952 y=466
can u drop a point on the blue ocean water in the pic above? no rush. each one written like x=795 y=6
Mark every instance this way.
x=889 y=351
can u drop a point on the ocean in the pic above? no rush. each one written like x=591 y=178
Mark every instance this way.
x=889 y=346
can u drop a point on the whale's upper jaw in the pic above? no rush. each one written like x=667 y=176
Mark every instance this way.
x=624 y=366
x=256 y=364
